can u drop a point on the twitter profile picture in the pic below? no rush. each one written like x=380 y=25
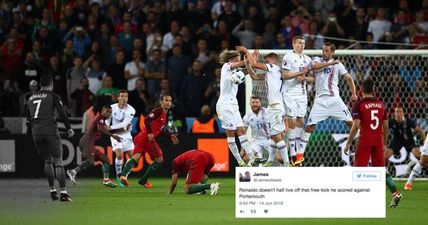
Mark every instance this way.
x=246 y=177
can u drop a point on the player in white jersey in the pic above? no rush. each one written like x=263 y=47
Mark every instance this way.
x=276 y=112
x=296 y=65
x=256 y=119
x=327 y=101
x=227 y=106
x=423 y=163
x=121 y=116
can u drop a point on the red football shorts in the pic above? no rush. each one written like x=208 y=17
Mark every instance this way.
x=364 y=152
x=201 y=164
x=143 y=145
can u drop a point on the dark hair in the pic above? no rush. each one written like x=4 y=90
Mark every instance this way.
x=122 y=91
x=368 y=86
x=100 y=102
x=331 y=45
x=298 y=37
x=165 y=95
x=46 y=80
x=256 y=97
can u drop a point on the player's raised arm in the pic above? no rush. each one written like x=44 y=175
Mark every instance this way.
x=252 y=59
x=174 y=179
x=320 y=65
x=251 y=72
x=351 y=86
x=287 y=74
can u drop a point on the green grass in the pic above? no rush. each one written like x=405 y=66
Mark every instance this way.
x=95 y=204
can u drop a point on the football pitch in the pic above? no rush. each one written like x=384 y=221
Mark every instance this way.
x=26 y=202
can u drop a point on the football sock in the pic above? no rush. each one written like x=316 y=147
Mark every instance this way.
x=297 y=134
x=60 y=174
x=118 y=165
x=292 y=141
x=303 y=142
x=246 y=145
x=49 y=171
x=152 y=168
x=390 y=183
x=106 y=170
x=415 y=171
x=198 y=188
x=272 y=151
x=283 y=151
x=83 y=166
x=128 y=166
x=234 y=149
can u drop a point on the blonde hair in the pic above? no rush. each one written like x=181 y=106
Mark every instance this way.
x=225 y=55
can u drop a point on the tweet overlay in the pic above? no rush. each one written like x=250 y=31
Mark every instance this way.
x=310 y=192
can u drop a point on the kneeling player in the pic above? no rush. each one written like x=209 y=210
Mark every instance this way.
x=87 y=146
x=197 y=164
x=145 y=142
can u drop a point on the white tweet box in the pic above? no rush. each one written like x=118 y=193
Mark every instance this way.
x=310 y=192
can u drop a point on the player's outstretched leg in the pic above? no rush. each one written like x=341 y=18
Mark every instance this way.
x=417 y=169
x=127 y=169
x=71 y=174
x=83 y=166
x=150 y=171
x=396 y=195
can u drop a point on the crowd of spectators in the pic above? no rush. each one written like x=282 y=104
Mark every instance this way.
x=94 y=48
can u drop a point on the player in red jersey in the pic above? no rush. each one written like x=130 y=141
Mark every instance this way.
x=197 y=164
x=371 y=118
x=87 y=146
x=145 y=142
